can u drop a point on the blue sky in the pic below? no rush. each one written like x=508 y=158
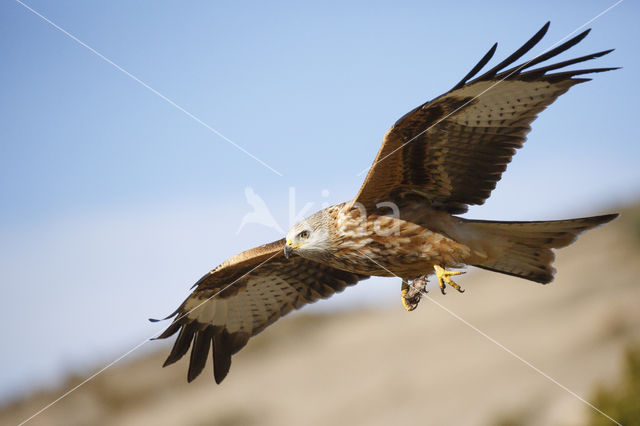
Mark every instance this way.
x=113 y=201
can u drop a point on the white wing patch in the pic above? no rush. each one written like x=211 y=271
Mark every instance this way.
x=505 y=102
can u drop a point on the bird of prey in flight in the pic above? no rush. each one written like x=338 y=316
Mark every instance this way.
x=434 y=162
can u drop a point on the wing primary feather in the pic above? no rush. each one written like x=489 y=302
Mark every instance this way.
x=182 y=343
x=540 y=71
x=199 y=353
x=516 y=55
x=236 y=341
x=568 y=74
x=486 y=58
x=221 y=357
x=547 y=55
x=173 y=314
x=170 y=331
x=471 y=138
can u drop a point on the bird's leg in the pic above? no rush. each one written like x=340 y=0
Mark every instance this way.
x=411 y=293
x=443 y=277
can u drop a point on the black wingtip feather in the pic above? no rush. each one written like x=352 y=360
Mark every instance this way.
x=199 y=353
x=476 y=69
x=181 y=346
x=518 y=72
x=569 y=74
x=221 y=358
x=170 y=331
x=566 y=63
x=517 y=54
x=171 y=315
x=547 y=55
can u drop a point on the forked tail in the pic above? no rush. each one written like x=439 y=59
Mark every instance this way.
x=525 y=248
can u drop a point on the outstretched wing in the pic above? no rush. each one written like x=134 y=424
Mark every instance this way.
x=243 y=296
x=452 y=150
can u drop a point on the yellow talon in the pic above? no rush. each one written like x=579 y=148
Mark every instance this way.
x=405 y=289
x=443 y=277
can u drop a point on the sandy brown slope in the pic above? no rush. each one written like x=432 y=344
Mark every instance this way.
x=387 y=366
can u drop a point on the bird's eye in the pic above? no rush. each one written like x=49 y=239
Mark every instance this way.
x=304 y=234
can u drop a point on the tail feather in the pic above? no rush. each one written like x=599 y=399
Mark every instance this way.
x=527 y=246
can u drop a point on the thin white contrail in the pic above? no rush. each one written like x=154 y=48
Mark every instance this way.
x=489 y=88
x=278 y=173
x=145 y=85
x=503 y=347
x=518 y=357
x=88 y=379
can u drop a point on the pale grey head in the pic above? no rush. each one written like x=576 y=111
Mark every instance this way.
x=309 y=238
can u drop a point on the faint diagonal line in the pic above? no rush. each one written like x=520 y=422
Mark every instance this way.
x=503 y=347
x=517 y=69
x=145 y=85
x=88 y=379
x=518 y=357
x=64 y=395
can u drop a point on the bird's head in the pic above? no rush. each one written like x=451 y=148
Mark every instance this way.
x=309 y=238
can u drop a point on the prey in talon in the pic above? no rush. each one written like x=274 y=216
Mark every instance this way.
x=412 y=292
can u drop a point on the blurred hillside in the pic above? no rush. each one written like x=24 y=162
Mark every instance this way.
x=386 y=366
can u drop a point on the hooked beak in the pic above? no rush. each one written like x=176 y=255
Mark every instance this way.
x=288 y=248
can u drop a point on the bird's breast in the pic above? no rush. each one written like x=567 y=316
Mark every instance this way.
x=388 y=246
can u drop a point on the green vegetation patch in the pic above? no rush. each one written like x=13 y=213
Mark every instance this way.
x=622 y=402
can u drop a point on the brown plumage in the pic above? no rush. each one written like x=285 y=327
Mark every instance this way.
x=434 y=162
x=241 y=297
x=453 y=149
